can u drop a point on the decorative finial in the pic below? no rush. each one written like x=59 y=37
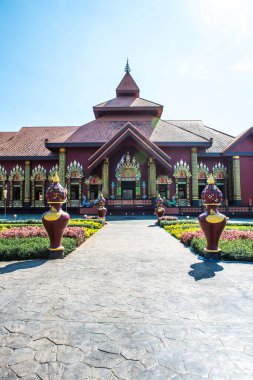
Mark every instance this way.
x=127 y=68
x=210 y=180
x=56 y=178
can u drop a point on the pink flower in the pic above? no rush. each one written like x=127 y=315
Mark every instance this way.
x=32 y=231
x=187 y=237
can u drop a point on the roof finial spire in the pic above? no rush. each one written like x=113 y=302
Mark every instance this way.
x=127 y=68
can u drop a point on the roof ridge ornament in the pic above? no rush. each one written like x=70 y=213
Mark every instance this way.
x=127 y=68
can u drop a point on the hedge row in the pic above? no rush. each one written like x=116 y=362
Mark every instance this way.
x=32 y=248
x=239 y=250
x=236 y=242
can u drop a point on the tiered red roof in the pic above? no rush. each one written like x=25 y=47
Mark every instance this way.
x=111 y=117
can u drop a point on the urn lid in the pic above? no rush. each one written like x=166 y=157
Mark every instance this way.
x=211 y=195
x=56 y=193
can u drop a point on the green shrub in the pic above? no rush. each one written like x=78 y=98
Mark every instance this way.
x=24 y=222
x=240 y=250
x=32 y=248
x=94 y=224
x=13 y=225
x=177 y=222
x=198 y=246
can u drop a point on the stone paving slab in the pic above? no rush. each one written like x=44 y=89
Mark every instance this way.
x=130 y=303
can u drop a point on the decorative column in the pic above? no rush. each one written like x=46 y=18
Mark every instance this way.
x=118 y=189
x=27 y=183
x=236 y=181
x=105 y=177
x=168 y=188
x=62 y=165
x=88 y=191
x=138 y=189
x=68 y=200
x=194 y=164
x=152 y=178
x=144 y=196
x=113 y=190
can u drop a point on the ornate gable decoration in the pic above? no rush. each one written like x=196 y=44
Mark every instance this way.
x=39 y=173
x=203 y=171
x=163 y=180
x=53 y=171
x=181 y=170
x=16 y=174
x=93 y=180
x=74 y=170
x=219 y=171
x=3 y=173
x=128 y=169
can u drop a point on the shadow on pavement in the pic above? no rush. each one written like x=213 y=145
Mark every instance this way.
x=205 y=269
x=21 y=265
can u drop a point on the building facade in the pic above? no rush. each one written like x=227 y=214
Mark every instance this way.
x=129 y=153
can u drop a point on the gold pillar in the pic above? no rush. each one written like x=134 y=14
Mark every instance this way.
x=62 y=165
x=105 y=177
x=236 y=181
x=27 y=182
x=194 y=165
x=152 y=178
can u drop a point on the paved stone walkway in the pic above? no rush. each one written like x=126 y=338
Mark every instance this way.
x=130 y=303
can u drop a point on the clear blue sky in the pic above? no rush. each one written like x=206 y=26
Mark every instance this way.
x=61 y=57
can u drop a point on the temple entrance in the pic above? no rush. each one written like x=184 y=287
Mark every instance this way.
x=128 y=178
x=128 y=190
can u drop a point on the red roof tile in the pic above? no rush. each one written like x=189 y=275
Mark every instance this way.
x=127 y=86
x=127 y=101
x=6 y=136
x=129 y=131
x=30 y=141
x=220 y=139
x=102 y=130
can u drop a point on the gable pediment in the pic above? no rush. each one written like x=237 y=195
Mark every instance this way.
x=129 y=131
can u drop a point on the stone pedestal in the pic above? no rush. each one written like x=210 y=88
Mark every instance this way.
x=211 y=221
x=55 y=220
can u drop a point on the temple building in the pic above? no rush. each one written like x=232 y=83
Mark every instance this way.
x=130 y=154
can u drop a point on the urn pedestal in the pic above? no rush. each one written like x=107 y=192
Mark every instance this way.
x=159 y=210
x=211 y=221
x=55 y=220
x=102 y=210
x=212 y=224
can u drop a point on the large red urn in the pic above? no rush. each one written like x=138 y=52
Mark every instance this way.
x=102 y=210
x=211 y=221
x=55 y=220
x=159 y=210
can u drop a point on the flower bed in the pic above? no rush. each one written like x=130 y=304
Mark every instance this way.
x=23 y=241
x=32 y=248
x=236 y=240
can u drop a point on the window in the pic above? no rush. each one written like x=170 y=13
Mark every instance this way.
x=182 y=191
x=74 y=192
x=93 y=192
x=201 y=188
x=16 y=193
x=163 y=191
x=38 y=193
